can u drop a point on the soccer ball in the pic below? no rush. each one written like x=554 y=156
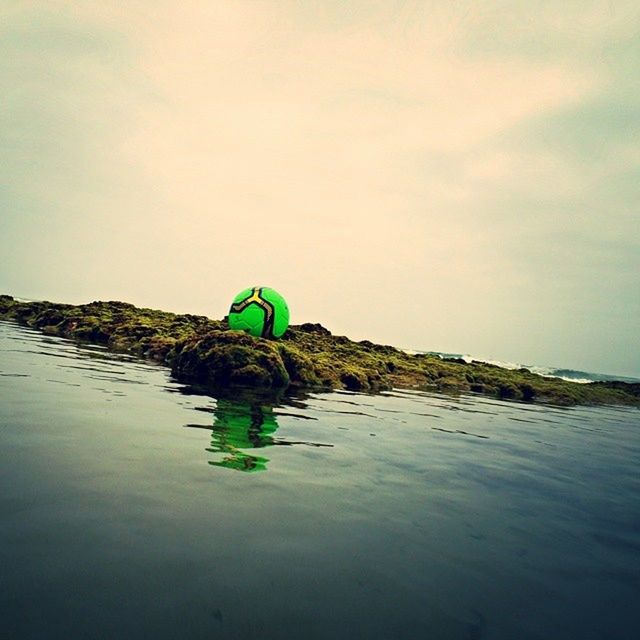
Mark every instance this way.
x=260 y=311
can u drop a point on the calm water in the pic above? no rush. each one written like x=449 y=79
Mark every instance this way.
x=131 y=508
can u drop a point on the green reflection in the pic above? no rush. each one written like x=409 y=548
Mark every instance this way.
x=240 y=425
x=248 y=421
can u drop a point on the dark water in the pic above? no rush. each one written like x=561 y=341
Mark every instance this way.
x=132 y=509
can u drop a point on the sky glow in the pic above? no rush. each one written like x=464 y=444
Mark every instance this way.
x=448 y=176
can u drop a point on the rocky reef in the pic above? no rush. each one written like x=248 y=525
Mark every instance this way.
x=308 y=357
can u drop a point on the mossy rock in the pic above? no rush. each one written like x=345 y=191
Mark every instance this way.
x=205 y=352
x=228 y=358
x=354 y=380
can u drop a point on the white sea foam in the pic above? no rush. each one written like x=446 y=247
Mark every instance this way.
x=581 y=377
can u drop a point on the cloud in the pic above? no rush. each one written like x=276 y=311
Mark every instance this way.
x=434 y=157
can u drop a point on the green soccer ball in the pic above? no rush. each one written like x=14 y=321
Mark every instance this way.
x=260 y=311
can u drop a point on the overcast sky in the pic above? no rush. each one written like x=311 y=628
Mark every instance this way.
x=454 y=176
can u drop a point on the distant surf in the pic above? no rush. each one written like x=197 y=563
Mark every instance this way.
x=573 y=375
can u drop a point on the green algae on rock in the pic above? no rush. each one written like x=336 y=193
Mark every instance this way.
x=206 y=352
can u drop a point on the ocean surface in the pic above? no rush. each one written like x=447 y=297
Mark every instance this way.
x=573 y=375
x=132 y=507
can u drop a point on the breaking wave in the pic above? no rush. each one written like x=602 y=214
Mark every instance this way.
x=573 y=375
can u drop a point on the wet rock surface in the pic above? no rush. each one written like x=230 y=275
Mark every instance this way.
x=206 y=352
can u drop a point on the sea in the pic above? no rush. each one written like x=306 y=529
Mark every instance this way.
x=134 y=506
x=572 y=375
